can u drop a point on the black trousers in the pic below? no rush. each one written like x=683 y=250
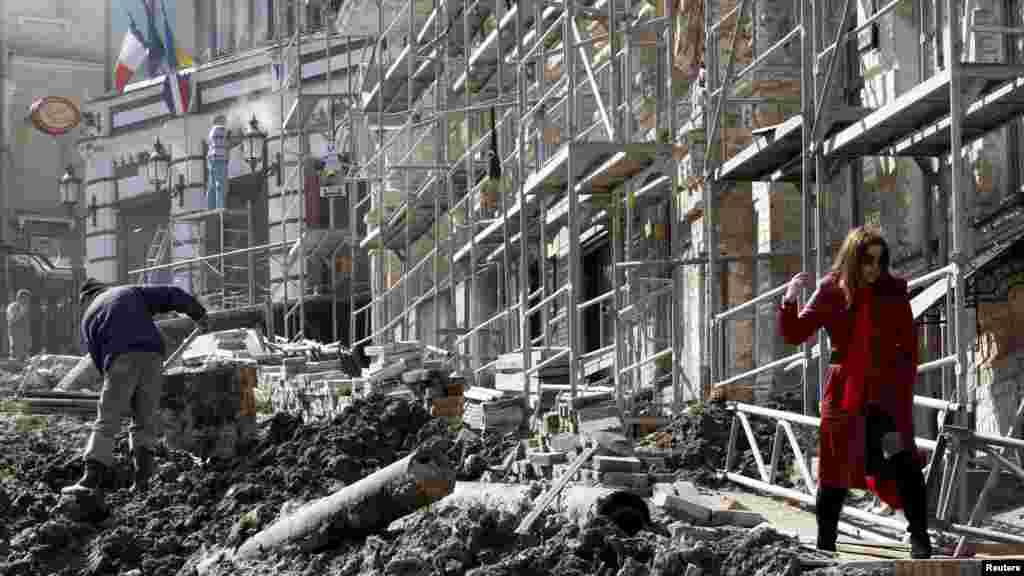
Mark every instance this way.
x=900 y=467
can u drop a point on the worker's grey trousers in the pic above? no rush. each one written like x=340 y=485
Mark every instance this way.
x=132 y=385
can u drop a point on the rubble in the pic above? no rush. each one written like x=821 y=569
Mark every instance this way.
x=46 y=371
x=698 y=441
x=198 y=509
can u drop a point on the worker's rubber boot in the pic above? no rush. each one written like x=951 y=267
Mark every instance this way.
x=142 y=463
x=910 y=480
x=828 y=505
x=91 y=483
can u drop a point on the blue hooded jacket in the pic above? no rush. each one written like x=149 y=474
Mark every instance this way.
x=120 y=319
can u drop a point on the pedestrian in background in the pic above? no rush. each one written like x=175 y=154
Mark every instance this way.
x=866 y=438
x=19 y=325
x=217 y=163
x=127 y=347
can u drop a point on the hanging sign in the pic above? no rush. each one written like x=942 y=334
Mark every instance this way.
x=55 y=115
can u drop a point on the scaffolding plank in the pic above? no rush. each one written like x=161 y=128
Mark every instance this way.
x=303 y=106
x=394 y=76
x=877 y=132
x=423 y=205
x=453 y=25
x=766 y=154
x=394 y=89
x=618 y=168
x=483 y=63
x=590 y=165
x=316 y=242
x=484 y=236
x=989 y=112
x=921 y=105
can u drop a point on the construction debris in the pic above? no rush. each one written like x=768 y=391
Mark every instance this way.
x=370 y=504
x=46 y=371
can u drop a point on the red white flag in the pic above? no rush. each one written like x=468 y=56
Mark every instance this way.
x=133 y=54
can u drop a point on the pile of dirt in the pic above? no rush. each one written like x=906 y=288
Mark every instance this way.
x=477 y=541
x=191 y=503
x=700 y=435
x=197 y=507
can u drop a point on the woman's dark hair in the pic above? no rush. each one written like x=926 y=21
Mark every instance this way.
x=851 y=254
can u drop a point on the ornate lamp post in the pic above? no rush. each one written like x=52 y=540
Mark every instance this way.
x=158 y=166
x=254 y=142
x=70 y=186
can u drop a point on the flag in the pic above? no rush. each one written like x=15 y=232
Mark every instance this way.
x=176 y=92
x=133 y=54
x=155 y=60
x=184 y=58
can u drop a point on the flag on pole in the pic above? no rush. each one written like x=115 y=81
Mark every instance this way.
x=155 y=60
x=133 y=54
x=176 y=91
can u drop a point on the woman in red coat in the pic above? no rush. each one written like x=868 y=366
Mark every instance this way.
x=867 y=436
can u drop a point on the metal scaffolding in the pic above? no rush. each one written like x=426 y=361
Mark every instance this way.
x=956 y=102
x=590 y=124
x=234 y=265
x=578 y=156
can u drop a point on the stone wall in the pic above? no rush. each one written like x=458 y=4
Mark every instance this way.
x=209 y=412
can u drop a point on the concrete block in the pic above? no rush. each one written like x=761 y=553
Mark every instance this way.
x=565 y=442
x=653 y=461
x=210 y=413
x=447 y=407
x=618 y=464
x=663 y=477
x=741 y=518
x=548 y=458
x=541 y=471
x=627 y=479
x=691 y=510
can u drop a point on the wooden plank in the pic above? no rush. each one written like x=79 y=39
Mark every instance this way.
x=549 y=496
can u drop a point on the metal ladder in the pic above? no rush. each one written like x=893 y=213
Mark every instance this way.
x=155 y=256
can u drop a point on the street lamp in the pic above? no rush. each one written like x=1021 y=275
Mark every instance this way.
x=70 y=186
x=158 y=165
x=255 y=138
x=255 y=148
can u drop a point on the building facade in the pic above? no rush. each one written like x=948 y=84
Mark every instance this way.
x=134 y=224
x=55 y=48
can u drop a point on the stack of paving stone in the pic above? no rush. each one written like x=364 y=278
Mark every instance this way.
x=406 y=366
x=493 y=410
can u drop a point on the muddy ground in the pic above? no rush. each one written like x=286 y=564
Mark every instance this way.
x=197 y=508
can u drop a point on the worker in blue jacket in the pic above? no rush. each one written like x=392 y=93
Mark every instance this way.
x=126 y=346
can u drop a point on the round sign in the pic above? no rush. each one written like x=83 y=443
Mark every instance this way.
x=55 y=115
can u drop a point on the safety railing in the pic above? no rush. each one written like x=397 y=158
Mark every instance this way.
x=946 y=273
x=767 y=472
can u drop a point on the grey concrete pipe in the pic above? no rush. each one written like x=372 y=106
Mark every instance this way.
x=576 y=502
x=369 y=505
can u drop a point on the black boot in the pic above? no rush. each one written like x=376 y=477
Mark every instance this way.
x=142 y=461
x=92 y=481
x=911 y=485
x=828 y=505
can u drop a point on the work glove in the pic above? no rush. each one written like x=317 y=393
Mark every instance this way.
x=796 y=284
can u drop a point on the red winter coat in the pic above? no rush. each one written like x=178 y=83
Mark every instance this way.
x=841 y=441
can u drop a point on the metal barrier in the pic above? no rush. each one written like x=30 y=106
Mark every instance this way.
x=784 y=431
